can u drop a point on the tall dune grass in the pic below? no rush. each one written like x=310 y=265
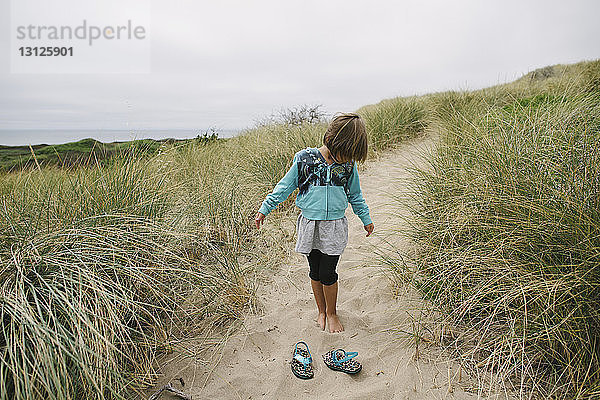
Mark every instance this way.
x=393 y=121
x=95 y=279
x=508 y=227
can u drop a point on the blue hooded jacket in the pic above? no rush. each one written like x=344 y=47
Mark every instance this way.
x=324 y=190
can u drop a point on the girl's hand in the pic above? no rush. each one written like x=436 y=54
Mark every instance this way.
x=369 y=228
x=259 y=219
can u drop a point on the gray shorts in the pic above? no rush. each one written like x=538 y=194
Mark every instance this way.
x=328 y=236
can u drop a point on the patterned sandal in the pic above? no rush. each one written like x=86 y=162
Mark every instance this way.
x=301 y=362
x=339 y=360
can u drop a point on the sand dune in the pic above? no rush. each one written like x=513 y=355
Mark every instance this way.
x=254 y=363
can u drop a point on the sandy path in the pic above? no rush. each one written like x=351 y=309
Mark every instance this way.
x=255 y=362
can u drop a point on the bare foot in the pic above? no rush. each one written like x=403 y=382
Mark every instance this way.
x=334 y=324
x=321 y=320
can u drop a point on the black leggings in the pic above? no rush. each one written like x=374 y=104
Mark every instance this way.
x=322 y=267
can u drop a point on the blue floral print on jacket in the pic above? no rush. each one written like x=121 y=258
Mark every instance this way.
x=323 y=190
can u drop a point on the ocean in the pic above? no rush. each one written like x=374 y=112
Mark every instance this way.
x=59 y=136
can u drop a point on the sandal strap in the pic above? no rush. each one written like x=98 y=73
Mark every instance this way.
x=305 y=345
x=347 y=356
x=302 y=359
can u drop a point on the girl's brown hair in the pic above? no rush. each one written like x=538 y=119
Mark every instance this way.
x=346 y=137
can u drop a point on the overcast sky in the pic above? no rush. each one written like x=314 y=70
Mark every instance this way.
x=229 y=63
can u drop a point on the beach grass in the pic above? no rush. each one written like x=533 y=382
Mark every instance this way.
x=98 y=275
x=507 y=223
x=394 y=121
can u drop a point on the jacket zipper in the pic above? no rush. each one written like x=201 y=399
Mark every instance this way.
x=327 y=192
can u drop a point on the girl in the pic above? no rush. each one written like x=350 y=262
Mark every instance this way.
x=327 y=179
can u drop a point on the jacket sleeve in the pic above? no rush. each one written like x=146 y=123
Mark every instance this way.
x=355 y=197
x=282 y=190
